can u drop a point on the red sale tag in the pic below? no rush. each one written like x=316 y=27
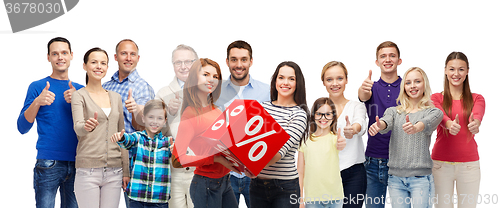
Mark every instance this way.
x=247 y=135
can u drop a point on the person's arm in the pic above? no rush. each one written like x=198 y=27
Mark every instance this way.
x=365 y=90
x=301 y=165
x=388 y=120
x=295 y=129
x=477 y=114
x=431 y=120
x=80 y=125
x=32 y=105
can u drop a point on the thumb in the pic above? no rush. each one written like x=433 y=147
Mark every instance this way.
x=471 y=119
x=456 y=119
x=177 y=95
x=338 y=134
x=378 y=121
x=370 y=75
x=95 y=115
x=47 y=86
x=129 y=93
x=121 y=133
x=70 y=85
x=347 y=123
x=407 y=118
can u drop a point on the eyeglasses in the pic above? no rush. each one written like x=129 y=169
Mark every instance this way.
x=186 y=63
x=328 y=116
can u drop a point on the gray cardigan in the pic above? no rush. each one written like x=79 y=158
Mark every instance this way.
x=95 y=150
x=409 y=155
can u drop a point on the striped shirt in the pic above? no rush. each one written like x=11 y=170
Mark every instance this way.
x=150 y=178
x=294 y=121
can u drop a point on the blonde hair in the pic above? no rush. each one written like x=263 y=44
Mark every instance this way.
x=330 y=65
x=403 y=101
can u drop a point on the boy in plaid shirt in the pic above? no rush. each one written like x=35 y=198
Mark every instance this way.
x=150 y=179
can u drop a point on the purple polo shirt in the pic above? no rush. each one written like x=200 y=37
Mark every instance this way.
x=384 y=95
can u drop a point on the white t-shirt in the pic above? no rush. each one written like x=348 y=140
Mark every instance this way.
x=354 y=152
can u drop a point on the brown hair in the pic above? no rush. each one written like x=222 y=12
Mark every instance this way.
x=190 y=87
x=312 y=122
x=330 y=65
x=155 y=104
x=466 y=99
x=388 y=44
x=241 y=45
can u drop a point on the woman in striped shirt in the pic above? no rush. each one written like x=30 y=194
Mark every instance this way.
x=278 y=183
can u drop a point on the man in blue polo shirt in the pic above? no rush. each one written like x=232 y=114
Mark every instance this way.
x=378 y=96
x=48 y=101
x=241 y=86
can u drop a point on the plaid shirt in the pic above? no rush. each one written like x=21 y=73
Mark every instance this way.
x=150 y=178
x=142 y=92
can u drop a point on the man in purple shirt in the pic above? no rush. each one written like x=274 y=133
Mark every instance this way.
x=378 y=96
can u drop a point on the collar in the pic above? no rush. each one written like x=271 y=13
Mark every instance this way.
x=132 y=77
x=251 y=81
x=394 y=84
x=145 y=134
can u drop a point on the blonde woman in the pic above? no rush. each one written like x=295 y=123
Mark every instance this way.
x=412 y=123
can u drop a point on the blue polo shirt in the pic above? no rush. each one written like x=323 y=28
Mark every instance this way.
x=384 y=95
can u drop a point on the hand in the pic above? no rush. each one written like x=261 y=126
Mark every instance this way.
x=408 y=127
x=249 y=174
x=91 y=123
x=375 y=127
x=174 y=104
x=125 y=182
x=171 y=142
x=116 y=137
x=46 y=97
x=68 y=93
x=367 y=83
x=348 y=130
x=130 y=102
x=455 y=126
x=341 y=143
x=226 y=163
x=473 y=124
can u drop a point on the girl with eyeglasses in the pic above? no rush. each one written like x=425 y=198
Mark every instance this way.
x=351 y=119
x=318 y=162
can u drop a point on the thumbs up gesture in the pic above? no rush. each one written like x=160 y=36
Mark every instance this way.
x=473 y=124
x=367 y=83
x=116 y=137
x=348 y=130
x=91 y=123
x=174 y=104
x=376 y=127
x=46 y=97
x=69 y=92
x=455 y=126
x=341 y=143
x=130 y=102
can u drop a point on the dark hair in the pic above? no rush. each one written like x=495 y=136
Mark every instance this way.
x=241 y=45
x=299 y=96
x=58 y=39
x=121 y=41
x=388 y=44
x=86 y=58
x=190 y=90
x=312 y=122
x=155 y=104
x=467 y=100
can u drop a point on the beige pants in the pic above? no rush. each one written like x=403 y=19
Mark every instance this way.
x=98 y=187
x=179 y=191
x=465 y=175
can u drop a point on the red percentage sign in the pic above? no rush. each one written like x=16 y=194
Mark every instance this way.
x=237 y=110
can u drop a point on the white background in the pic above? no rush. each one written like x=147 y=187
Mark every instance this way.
x=310 y=34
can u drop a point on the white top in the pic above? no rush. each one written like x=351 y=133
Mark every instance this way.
x=106 y=111
x=354 y=152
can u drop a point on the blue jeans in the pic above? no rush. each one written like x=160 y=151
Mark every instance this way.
x=325 y=204
x=376 y=186
x=354 y=184
x=274 y=193
x=405 y=191
x=241 y=186
x=212 y=192
x=139 y=204
x=50 y=175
